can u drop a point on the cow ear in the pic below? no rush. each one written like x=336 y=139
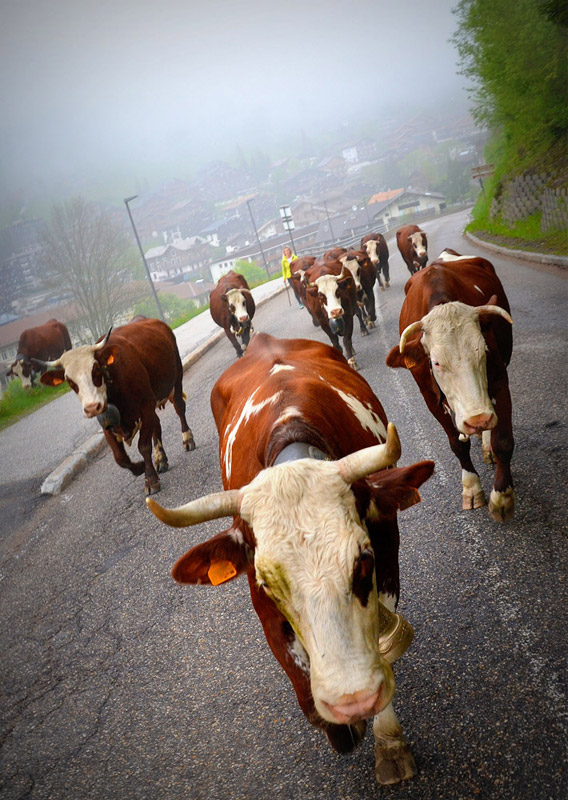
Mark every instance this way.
x=413 y=356
x=220 y=559
x=224 y=299
x=396 y=489
x=54 y=377
x=108 y=356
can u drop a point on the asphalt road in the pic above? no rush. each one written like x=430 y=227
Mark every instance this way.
x=118 y=683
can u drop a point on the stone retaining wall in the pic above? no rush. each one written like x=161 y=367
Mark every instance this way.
x=528 y=194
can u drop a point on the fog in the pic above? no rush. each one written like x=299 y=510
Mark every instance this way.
x=101 y=92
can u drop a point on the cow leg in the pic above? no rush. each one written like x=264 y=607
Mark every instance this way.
x=486 y=450
x=333 y=338
x=393 y=760
x=380 y=279
x=362 y=326
x=235 y=342
x=347 y=341
x=121 y=456
x=472 y=492
x=178 y=401
x=159 y=457
x=149 y=431
x=386 y=272
x=502 y=498
x=370 y=306
x=245 y=337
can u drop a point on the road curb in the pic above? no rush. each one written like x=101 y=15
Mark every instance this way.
x=62 y=475
x=524 y=255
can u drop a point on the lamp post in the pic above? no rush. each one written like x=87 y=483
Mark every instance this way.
x=329 y=221
x=288 y=223
x=257 y=239
x=127 y=200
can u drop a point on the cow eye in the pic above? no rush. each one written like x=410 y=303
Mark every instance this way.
x=363 y=576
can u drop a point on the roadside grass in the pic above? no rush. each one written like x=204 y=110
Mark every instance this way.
x=17 y=402
x=523 y=235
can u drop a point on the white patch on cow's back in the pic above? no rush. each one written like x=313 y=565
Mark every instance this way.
x=368 y=419
x=478 y=289
x=445 y=256
x=279 y=367
x=249 y=409
x=289 y=413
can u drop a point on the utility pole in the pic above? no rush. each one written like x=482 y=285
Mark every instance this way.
x=258 y=239
x=127 y=200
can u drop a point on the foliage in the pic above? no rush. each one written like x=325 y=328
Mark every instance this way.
x=89 y=256
x=515 y=52
x=16 y=401
x=253 y=273
x=176 y=310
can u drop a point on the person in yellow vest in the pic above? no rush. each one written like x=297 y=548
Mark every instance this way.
x=287 y=258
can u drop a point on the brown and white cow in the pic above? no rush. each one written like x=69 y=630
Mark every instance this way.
x=232 y=307
x=375 y=245
x=298 y=268
x=412 y=243
x=122 y=380
x=456 y=340
x=304 y=465
x=44 y=342
x=331 y=300
x=364 y=276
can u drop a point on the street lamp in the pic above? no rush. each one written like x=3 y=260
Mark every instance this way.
x=288 y=223
x=257 y=238
x=329 y=221
x=128 y=200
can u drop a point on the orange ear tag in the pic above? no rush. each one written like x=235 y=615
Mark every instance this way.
x=221 y=571
x=410 y=362
x=57 y=381
x=110 y=360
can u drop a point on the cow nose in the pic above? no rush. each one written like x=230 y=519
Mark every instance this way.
x=353 y=707
x=336 y=312
x=93 y=409
x=480 y=422
x=243 y=318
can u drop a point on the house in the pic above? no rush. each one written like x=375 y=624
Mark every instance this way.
x=332 y=165
x=182 y=256
x=196 y=291
x=364 y=149
x=386 y=208
x=219 y=268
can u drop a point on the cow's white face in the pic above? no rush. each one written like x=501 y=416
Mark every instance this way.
x=419 y=246
x=453 y=340
x=371 y=248
x=84 y=375
x=327 y=286
x=23 y=374
x=354 y=268
x=237 y=305
x=317 y=565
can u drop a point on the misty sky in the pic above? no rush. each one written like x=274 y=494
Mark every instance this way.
x=92 y=87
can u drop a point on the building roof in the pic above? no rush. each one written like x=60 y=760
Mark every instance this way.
x=381 y=197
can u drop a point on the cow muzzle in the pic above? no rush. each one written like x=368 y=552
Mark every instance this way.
x=94 y=409
x=351 y=708
x=479 y=423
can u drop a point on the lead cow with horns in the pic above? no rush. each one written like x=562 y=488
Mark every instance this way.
x=313 y=491
x=122 y=380
x=456 y=340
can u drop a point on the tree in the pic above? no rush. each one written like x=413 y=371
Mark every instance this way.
x=252 y=272
x=515 y=52
x=90 y=256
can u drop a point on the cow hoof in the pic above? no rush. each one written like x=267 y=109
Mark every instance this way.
x=151 y=488
x=353 y=364
x=470 y=501
x=161 y=466
x=502 y=505
x=394 y=763
x=364 y=332
x=371 y=324
x=383 y=288
x=188 y=442
x=345 y=738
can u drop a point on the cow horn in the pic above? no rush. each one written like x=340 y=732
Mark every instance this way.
x=411 y=329
x=103 y=341
x=45 y=365
x=494 y=310
x=212 y=506
x=371 y=459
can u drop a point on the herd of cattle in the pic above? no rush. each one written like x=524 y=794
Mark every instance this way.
x=309 y=459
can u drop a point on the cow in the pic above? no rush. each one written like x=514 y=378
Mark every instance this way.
x=334 y=254
x=412 y=243
x=364 y=276
x=375 y=245
x=44 y=342
x=232 y=307
x=122 y=380
x=308 y=465
x=332 y=302
x=297 y=270
x=456 y=340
